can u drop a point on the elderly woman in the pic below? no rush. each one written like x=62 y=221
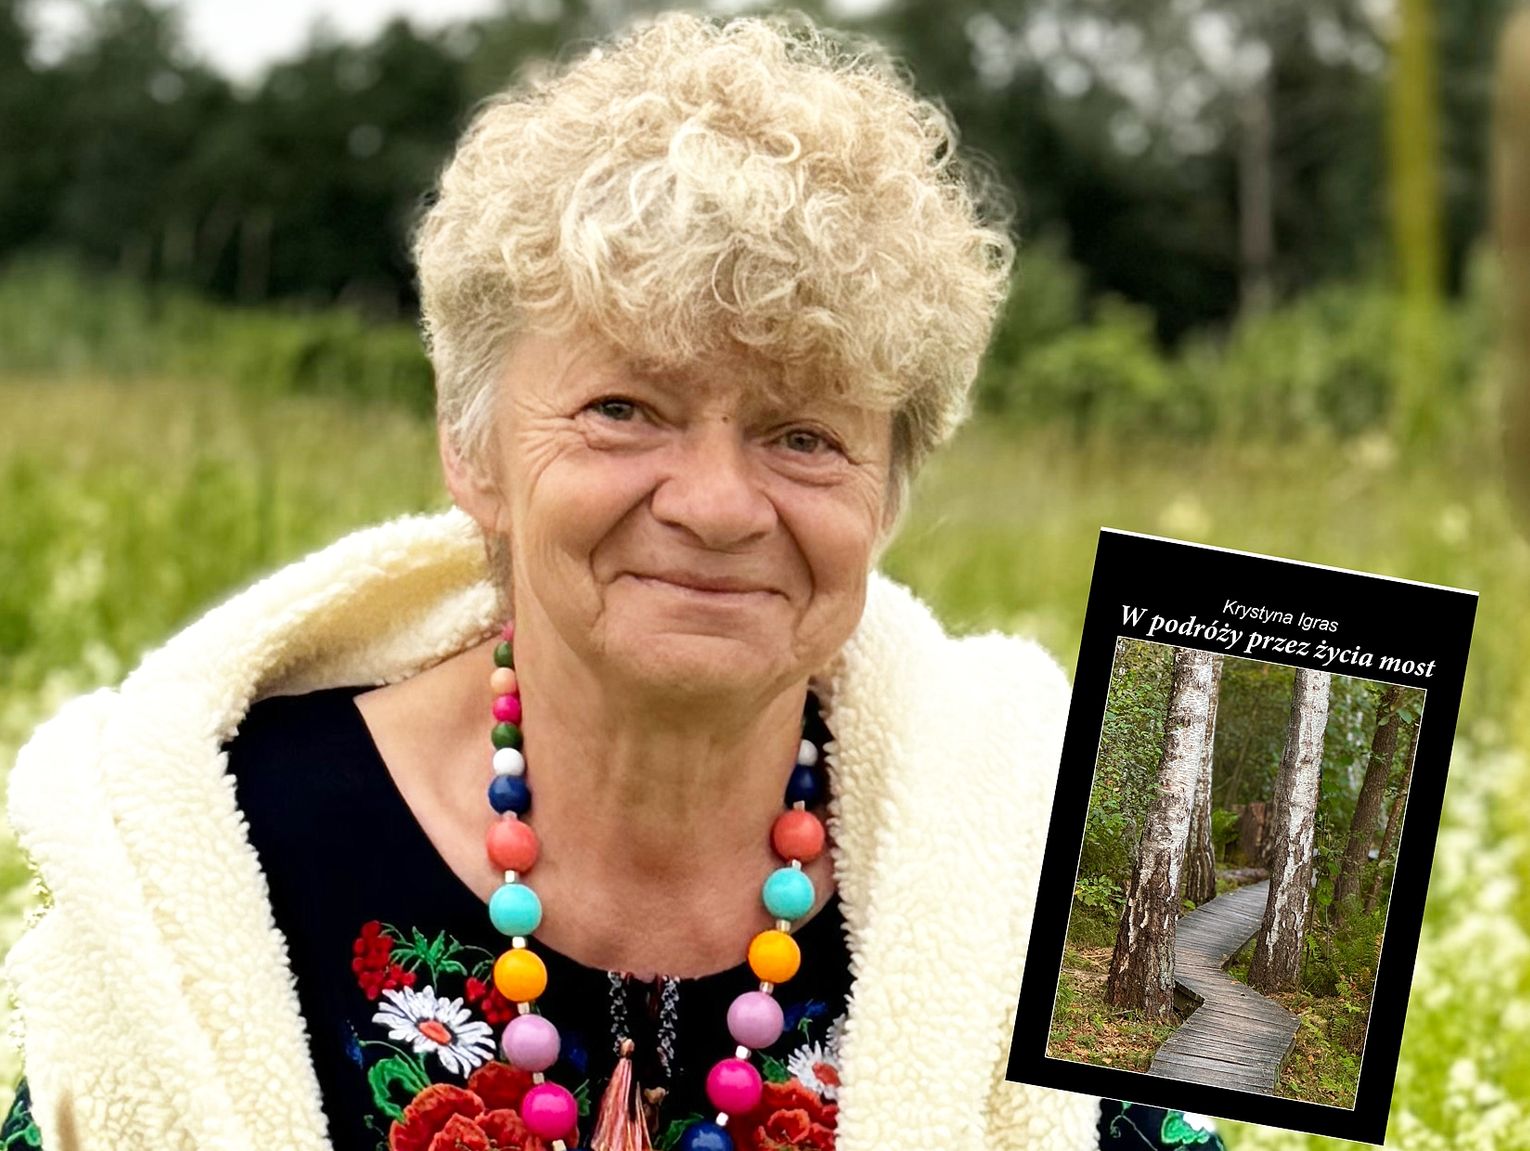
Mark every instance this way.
x=624 y=804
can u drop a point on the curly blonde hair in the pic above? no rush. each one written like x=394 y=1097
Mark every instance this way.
x=700 y=183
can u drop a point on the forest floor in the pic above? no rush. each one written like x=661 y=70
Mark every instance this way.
x=1086 y=1029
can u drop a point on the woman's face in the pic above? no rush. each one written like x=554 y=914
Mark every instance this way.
x=618 y=487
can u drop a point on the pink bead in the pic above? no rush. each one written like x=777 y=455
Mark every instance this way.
x=549 y=1111
x=507 y=709
x=734 y=1086
x=507 y=633
x=530 y=1042
x=755 y=1020
x=502 y=681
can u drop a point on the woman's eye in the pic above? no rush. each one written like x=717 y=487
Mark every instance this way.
x=806 y=441
x=614 y=407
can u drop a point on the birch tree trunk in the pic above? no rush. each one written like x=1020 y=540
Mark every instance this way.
x=1200 y=862
x=1394 y=820
x=1142 y=967
x=1362 y=828
x=1278 y=950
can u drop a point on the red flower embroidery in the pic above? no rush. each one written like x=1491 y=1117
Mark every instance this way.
x=488 y=999
x=372 y=962
x=483 y=1116
x=790 y=1117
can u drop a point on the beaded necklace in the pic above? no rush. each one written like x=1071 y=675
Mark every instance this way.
x=531 y=1042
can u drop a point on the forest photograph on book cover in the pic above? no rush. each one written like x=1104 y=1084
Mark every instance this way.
x=1239 y=851
x=1257 y=806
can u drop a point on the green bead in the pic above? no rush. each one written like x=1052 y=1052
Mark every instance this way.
x=503 y=656
x=507 y=735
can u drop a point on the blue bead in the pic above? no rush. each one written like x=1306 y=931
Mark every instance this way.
x=705 y=1136
x=804 y=785
x=788 y=894
x=514 y=909
x=510 y=793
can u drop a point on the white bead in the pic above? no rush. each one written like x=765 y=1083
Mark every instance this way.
x=509 y=877
x=766 y=986
x=517 y=941
x=807 y=754
x=783 y=924
x=722 y=1118
x=509 y=761
x=741 y=1052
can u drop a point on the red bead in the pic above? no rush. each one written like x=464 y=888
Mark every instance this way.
x=507 y=633
x=512 y=845
x=797 y=835
x=507 y=709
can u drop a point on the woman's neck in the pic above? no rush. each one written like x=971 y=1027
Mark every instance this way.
x=654 y=831
x=667 y=796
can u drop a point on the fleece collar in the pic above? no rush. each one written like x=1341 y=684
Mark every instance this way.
x=941 y=769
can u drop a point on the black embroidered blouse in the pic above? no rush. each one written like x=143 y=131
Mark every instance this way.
x=393 y=959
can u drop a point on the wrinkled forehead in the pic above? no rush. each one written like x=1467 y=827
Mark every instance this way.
x=724 y=371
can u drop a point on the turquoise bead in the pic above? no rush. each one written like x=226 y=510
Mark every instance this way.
x=788 y=894
x=515 y=909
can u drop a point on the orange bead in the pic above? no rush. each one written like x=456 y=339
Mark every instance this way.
x=797 y=835
x=513 y=846
x=520 y=975
x=502 y=681
x=774 y=956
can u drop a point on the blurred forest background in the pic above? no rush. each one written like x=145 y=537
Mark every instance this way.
x=1258 y=305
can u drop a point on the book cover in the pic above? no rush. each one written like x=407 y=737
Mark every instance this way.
x=1239 y=850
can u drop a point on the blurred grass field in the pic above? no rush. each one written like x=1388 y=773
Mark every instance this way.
x=131 y=506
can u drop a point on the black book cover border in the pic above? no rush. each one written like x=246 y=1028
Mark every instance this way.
x=1177 y=579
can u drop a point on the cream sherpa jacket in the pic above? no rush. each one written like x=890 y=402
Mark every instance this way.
x=157 y=1004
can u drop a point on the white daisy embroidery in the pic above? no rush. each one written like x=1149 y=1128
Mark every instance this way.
x=816 y=1065
x=439 y=1025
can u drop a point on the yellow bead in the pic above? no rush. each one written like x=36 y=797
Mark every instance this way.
x=774 y=956
x=520 y=975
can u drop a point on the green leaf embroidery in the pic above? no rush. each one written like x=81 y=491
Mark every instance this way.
x=395 y=1070
x=1176 y=1130
x=672 y=1133
x=772 y=1070
x=29 y=1136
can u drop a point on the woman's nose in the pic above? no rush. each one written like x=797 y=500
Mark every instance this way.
x=715 y=489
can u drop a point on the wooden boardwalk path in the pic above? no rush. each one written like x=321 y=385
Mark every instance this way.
x=1235 y=1037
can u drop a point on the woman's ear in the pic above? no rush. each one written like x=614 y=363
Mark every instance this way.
x=473 y=493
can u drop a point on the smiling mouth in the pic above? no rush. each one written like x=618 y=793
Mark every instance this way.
x=709 y=593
